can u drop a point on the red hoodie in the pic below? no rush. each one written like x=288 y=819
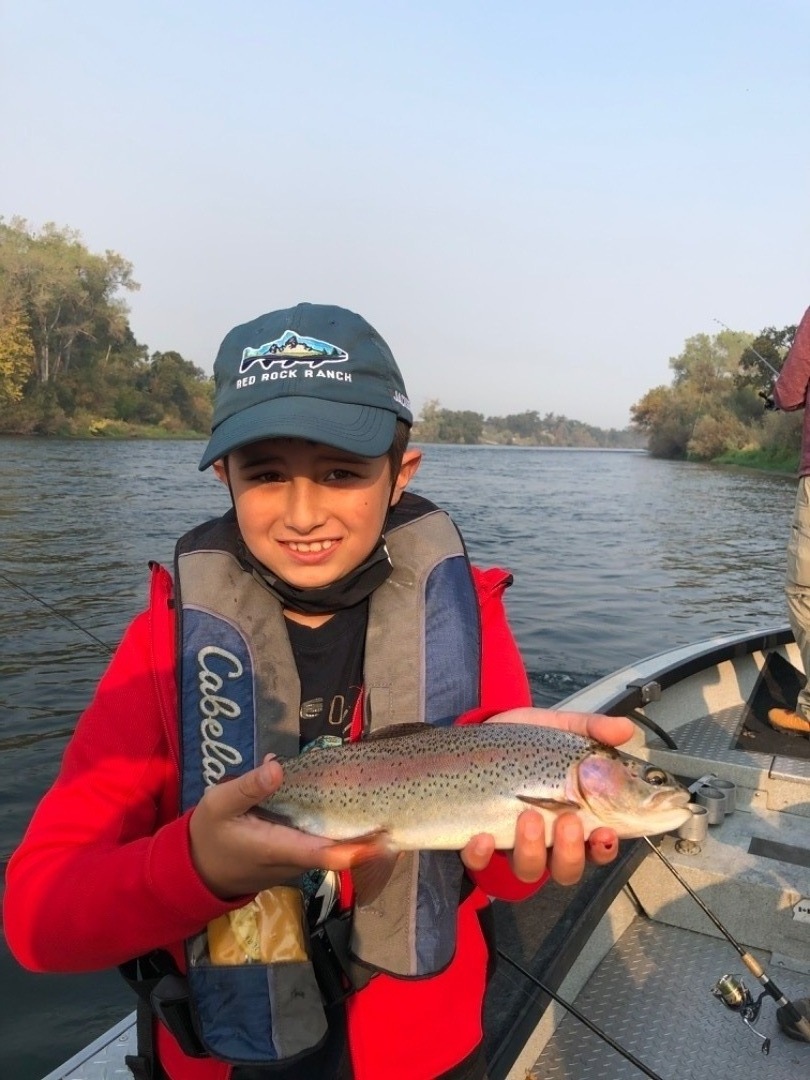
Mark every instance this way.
x=104 y=872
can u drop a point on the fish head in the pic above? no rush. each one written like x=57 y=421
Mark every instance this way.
x=633 y=797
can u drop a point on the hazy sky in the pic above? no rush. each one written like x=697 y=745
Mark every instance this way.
x=535 y=203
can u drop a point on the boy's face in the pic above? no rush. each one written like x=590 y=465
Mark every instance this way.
x=308 y=512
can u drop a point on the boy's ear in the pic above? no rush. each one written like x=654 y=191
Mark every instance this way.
x=411 y=460
x=221 y=470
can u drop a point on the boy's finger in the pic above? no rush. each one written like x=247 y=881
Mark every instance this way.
x=237 y=796
x=613 y=730
x=567 y=861
x=530 y=855
x=602 y=846
x=478 y=851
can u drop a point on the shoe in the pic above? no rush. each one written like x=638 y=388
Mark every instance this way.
x=791 y=723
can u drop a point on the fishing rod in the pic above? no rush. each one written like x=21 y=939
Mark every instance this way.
x=759 y=356
x=55 y=611
x=800 y=1023
x=583 y=1019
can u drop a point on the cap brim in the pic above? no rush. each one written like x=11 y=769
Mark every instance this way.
x=359 y=429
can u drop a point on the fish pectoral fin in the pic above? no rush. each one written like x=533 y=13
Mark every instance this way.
x=371 y=875
x=556 y=806
x=266 y=814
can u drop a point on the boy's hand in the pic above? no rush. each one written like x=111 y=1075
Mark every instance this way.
x=236 y=853
x=566 y=858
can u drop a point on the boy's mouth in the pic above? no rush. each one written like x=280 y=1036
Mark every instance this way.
x=310 y=547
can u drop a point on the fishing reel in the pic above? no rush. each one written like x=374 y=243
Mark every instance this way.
x=735 y=995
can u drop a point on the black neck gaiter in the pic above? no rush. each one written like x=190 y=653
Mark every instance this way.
x=347 y=591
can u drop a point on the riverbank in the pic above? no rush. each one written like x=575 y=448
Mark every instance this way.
x=110 y=429
x=777 y=461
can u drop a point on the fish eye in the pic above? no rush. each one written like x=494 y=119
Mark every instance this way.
x=656 y=777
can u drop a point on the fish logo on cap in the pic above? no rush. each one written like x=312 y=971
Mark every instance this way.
x=292 y=348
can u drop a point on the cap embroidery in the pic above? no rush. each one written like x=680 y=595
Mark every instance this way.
x=292 y=348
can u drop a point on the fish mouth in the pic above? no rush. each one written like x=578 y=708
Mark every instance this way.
x=674 y=817
x=674 y=799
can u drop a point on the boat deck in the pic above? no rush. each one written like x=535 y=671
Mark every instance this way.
x=652 y=995
x=102 y=1059
x=646 y=973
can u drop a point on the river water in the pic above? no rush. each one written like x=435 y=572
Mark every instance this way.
x=616 y=556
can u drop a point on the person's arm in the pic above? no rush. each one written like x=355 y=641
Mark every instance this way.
x=103 y=873
x=791 y=387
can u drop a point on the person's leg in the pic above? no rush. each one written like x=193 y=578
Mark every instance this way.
x=797 y=592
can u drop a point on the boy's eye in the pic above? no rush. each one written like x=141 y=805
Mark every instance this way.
x=268 y=476
x=341 y=474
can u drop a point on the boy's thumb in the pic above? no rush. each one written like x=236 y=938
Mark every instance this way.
x=258 y=784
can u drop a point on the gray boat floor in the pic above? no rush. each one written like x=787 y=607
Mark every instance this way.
x=652 y=994
x=102 y=1059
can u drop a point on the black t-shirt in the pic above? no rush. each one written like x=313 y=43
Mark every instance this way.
x=329 y=659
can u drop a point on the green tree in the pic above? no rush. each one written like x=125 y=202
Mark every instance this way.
x=764 y=356
x=439 y=425
x=667 y=418
x=16 y=355
x=179 y=391
x=704 y=413
x=67 y=293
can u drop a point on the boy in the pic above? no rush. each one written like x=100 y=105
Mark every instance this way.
x=329 y=603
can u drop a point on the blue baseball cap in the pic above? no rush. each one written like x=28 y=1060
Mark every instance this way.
x=313 y=371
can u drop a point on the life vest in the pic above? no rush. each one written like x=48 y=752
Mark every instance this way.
x=239 y=700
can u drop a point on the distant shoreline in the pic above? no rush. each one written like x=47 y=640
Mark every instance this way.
x=750 y=460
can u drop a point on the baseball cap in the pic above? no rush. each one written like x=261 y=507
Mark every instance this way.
x=314 y=371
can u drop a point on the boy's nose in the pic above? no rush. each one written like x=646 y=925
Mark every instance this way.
x=303 y=511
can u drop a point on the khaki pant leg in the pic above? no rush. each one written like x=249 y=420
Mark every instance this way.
x=797 y=584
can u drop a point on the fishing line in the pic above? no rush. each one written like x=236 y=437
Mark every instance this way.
x=54 y=611
x=801 y=1023
x=752 y=349
x=626 y=1054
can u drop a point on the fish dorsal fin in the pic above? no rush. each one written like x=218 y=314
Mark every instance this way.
x=557 y=806
x=396 y=731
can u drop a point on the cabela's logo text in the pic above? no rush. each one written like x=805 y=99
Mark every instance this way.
x=217 y=755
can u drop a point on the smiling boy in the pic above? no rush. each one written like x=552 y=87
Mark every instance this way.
x=328 y=604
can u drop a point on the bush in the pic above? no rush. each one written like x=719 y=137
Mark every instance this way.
x=713 y=436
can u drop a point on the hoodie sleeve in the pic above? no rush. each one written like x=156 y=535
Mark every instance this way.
x=104 y=871
x=791 y=389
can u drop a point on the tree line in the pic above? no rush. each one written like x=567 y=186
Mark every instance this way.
x=69 y=362
x=71 y=365
x=714 y=409
x=438 y=425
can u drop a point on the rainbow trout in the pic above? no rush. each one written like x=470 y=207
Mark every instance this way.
x=419 y=787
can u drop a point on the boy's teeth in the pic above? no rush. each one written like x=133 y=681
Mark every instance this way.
x=317 y=545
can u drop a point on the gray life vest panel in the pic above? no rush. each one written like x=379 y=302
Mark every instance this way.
x=239 y=700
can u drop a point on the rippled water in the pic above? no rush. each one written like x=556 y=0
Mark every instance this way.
x=615 y=556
